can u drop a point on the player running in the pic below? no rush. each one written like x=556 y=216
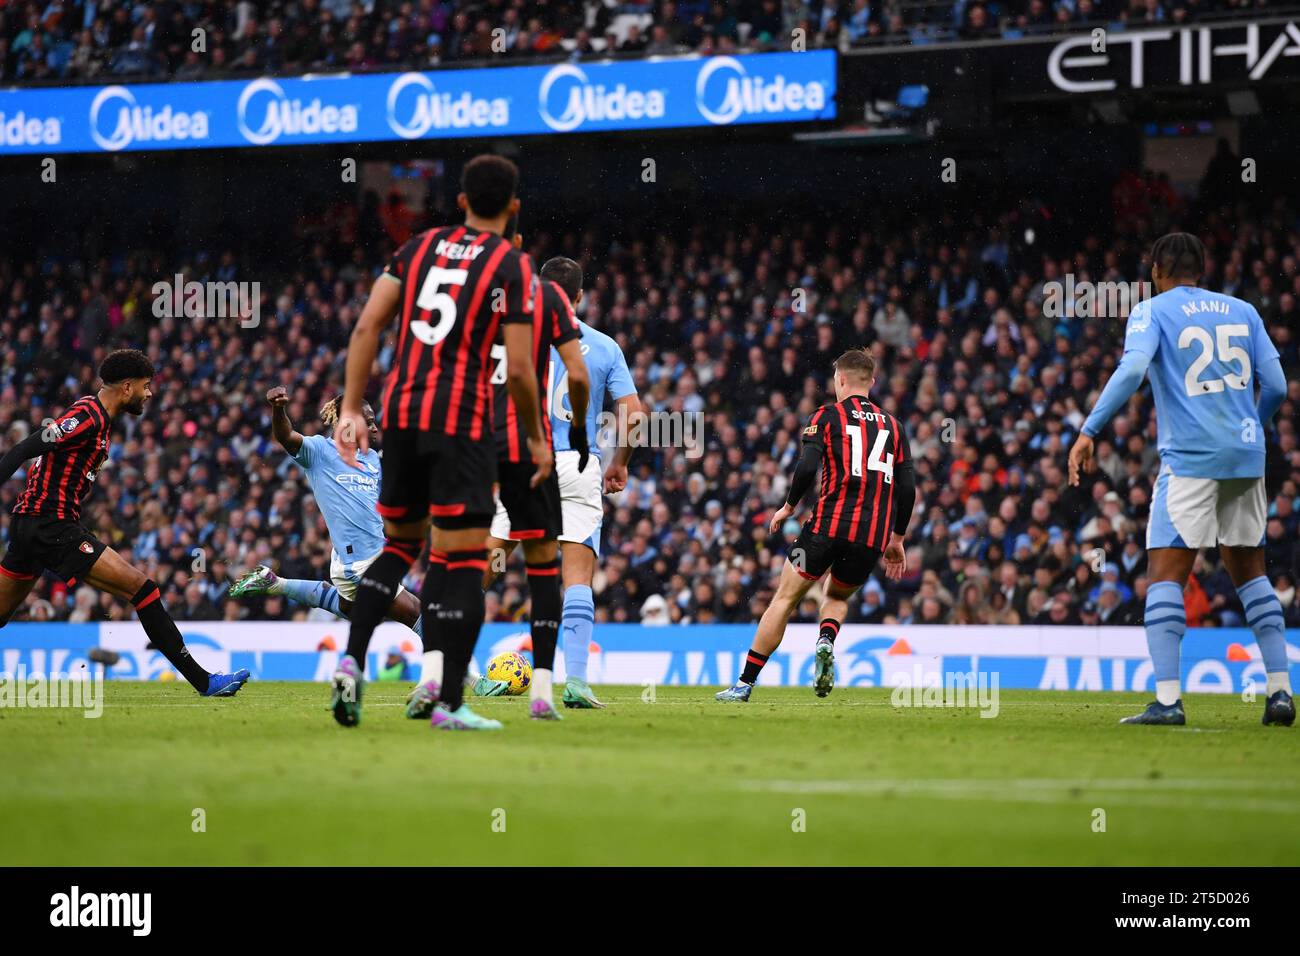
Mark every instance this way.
x=46 y=533
x=1200 y=350
x=525 y=513
x=346 y=496
x=454 y=287
x=868 y=491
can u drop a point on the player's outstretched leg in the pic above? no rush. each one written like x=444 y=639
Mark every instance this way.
x=544 y=625
x=771 y=628
x=1166 y=622
x=111 y=573
x=262 y=580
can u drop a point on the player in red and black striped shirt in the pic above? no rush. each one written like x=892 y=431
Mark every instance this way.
x=453 y=288
x=531 y=514
x=46 y=533
x=868 y=491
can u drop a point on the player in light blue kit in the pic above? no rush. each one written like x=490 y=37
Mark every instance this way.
x=1202 y=352
x=346 y=497
x=581 y=501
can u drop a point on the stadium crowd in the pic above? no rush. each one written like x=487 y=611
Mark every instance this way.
x=68 y=40
x=990 y=372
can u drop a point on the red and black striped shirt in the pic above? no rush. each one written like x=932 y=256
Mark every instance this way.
x=61 y=478
x=860 y=448
x=458 y=286
x=553 y=324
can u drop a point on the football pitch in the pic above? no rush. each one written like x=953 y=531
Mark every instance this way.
x=164 y=778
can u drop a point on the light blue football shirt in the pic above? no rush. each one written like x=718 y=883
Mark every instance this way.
x=1204 y=349
x=610 y=380
x=346 y=496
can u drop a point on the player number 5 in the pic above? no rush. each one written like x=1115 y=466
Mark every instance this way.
x=1195 y=335
x=431 y=300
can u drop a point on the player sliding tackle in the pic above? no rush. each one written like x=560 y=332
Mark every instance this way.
x=1200 y=349
x=46 y=533
x=867 y=495
x=454 y=287
x=346 y=495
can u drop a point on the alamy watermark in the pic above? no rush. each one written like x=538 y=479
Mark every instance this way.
x=1099 y=300
x=84 y=691
x=920 y=688
x=683 y=430
x=218 y=300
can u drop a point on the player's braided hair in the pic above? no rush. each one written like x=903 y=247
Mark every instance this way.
x=1180 y=256
x=329 y=412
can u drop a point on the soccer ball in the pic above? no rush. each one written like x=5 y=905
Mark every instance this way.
x=513 y=668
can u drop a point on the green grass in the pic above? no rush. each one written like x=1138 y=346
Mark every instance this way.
x=683 y=780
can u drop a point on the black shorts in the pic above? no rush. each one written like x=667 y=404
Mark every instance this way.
x=447 y=476
x=849 y=563
x=40 y=543
x=534 y=512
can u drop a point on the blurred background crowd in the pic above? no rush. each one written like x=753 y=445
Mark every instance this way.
x=69 y=40
x=737 y=323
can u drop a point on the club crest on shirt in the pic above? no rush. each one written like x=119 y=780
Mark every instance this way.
x=1140 y=320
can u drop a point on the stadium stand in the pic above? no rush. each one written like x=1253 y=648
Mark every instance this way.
x=991 y=387
x=82 y=40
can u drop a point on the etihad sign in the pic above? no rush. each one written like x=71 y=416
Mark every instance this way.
x=1076 y=67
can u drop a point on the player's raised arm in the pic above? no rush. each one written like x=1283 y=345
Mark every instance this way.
x=351 y=433
x=282 y=429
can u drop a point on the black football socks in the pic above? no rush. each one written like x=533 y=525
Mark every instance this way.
x=829 y=631
x=376 y=591
x=430 y=590
x=165 y=636
x=547 y=608
x=754 y=662
x=459 y=618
